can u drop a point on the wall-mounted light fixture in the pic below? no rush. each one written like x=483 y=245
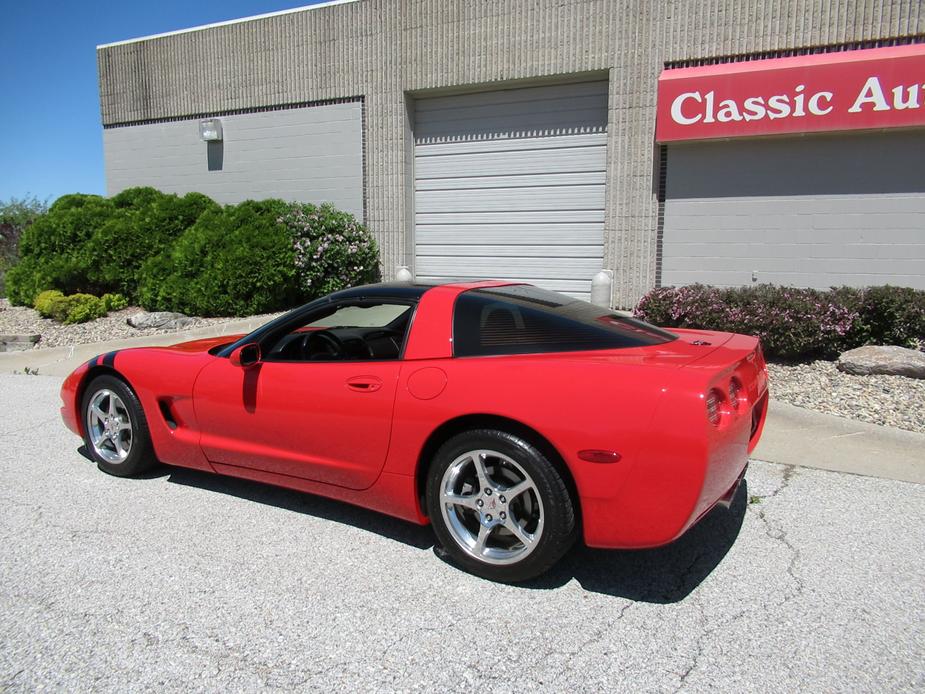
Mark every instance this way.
x=210 y=130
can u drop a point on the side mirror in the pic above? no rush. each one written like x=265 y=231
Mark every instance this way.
x=245 y=355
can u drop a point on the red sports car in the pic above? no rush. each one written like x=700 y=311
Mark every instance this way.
x=511 y=418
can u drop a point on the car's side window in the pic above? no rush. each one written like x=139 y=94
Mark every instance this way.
x=526 y=320
x=347 y=331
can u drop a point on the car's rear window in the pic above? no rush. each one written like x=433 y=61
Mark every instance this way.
x=522 y=319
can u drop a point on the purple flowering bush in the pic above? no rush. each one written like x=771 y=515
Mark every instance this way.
x=332 y=249
x=794 y=323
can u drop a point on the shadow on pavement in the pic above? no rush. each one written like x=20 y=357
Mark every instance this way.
x=299 y=502
x=663 y=575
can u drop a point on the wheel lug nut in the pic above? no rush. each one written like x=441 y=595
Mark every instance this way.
x=488 y=517
x=480 y=503
x=503 y=515
x=502 y=499
x=488 y=492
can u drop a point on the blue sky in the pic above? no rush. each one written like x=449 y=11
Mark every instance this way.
x=51 y=139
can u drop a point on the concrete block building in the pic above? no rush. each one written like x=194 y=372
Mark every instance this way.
x=672 y=141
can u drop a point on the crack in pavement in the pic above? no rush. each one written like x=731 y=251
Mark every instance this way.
x=777 y=534
x=780 y=535
x=597 y=637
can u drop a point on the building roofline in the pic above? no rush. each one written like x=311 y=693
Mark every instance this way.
x=228 y=22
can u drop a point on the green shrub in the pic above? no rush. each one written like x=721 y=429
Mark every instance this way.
x=69 y=223
x=51 y=249
x=137 y=198
x=894 y=315
x=114 y=302
x=794 y=323
x=31 y=276
x=237 y=260
x=144 y=223
x=76 y=308
x=83 y=307
x=332 y=249
x=43 y=302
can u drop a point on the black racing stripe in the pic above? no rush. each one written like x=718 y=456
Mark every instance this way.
x=92 y=362
x=109 y=359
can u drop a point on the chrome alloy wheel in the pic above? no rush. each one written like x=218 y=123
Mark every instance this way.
x=109 y=426
x=491 y=507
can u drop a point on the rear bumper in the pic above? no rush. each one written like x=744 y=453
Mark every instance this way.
x=684 y=474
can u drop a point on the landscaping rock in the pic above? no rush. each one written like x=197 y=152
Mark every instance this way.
x=161 y=320
x=889 y=360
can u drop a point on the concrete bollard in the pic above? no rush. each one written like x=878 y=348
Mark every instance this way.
x=602 y=288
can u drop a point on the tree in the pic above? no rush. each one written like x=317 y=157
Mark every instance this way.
x=15 y=215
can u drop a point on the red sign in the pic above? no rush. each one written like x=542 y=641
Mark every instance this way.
x=852 y=90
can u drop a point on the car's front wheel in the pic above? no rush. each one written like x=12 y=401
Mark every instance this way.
x=498 y=506
x=115 y=428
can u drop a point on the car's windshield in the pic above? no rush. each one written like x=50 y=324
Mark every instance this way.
x=375 y=316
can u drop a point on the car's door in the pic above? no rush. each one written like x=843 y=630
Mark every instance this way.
x=327 y=421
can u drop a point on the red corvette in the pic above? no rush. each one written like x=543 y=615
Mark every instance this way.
x=511 y=418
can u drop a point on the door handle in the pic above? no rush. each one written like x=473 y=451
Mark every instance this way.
x=364 y=384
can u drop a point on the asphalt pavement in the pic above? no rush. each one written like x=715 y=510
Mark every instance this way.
x=183 y=581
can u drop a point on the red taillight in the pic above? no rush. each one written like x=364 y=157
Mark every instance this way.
x=714 y=403
x=735 y=389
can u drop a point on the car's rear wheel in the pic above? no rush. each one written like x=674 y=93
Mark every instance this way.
x=498 y=506
x=115 y=428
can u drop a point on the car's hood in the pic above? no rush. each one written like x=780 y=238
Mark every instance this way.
x=205 y=344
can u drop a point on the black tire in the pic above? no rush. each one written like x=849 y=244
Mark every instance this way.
x=127 y=411
x=546 y=506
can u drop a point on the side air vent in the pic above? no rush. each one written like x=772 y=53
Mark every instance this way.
x=167 y=414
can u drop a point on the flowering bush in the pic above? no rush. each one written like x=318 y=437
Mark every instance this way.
x=794 y=323
x=332 y=249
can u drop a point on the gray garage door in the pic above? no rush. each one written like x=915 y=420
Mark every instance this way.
x=813 y=212
x=510 y=185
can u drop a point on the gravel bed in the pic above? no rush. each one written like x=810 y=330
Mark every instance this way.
x=895 y=401
x=18 y=320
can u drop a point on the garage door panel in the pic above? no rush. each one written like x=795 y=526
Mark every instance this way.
x=817 y=233
x=533 y=217
x=549 y=161
x=510 y=144
x=732 y=278
x=523 y=181
x=508 y=251
x=559 y=198
x=524 y=234
x=809 y=265
x=442 y=121
x=549 y=268
x=749 y=251
x=528 y=125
